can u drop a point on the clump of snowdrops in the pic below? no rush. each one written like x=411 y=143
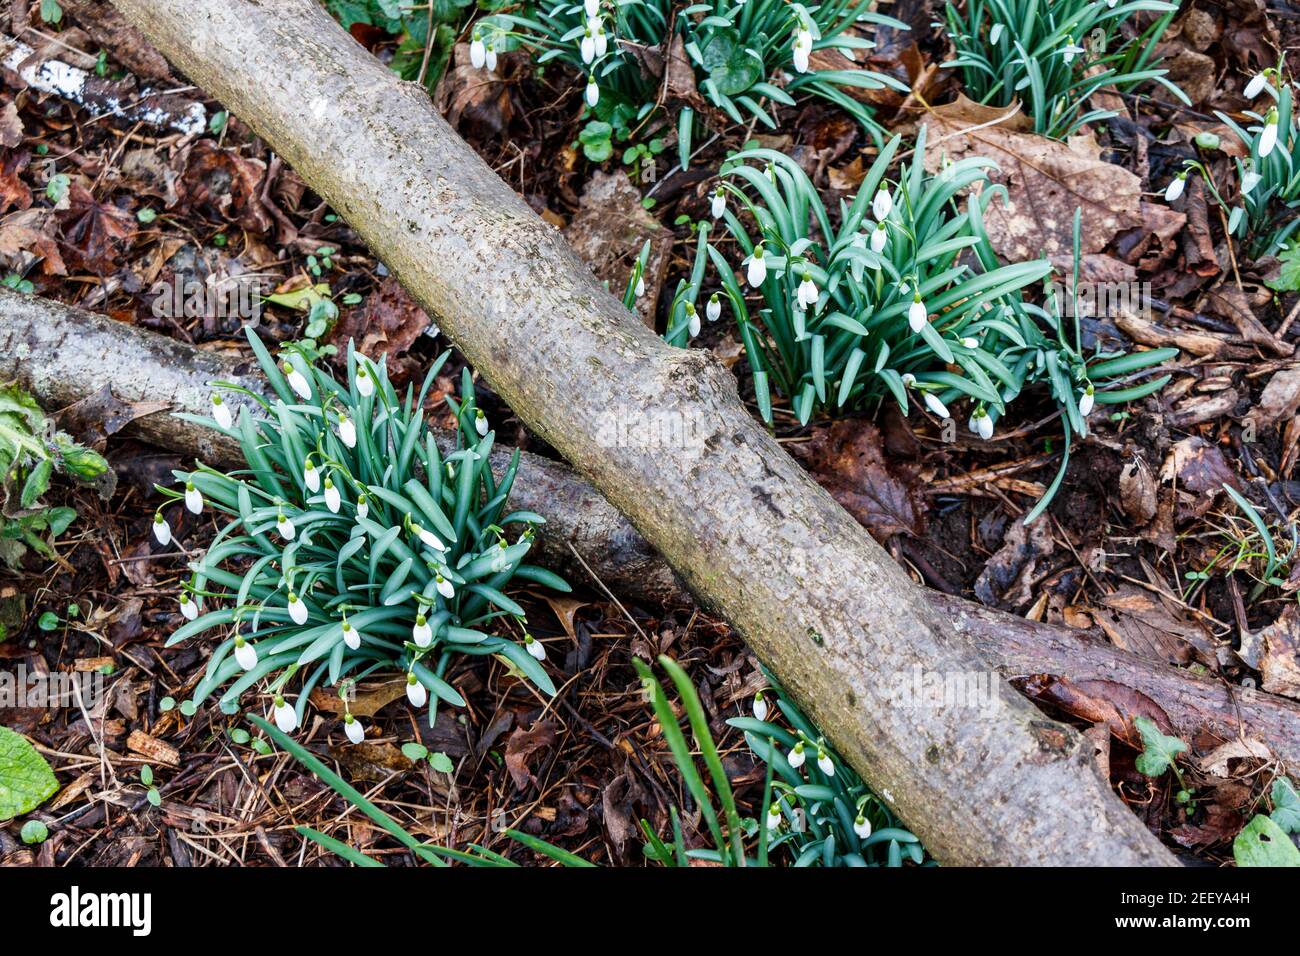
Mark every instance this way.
x=354 y=543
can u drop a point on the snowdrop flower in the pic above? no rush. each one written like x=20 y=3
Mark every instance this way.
x=692 y=321
x=332 y=500
x=801 y=49
x=245 y=653
x=1249 y=181
x=365 y=384
x=882 y=205
x=640 y=286
x=1086 y=402
x=285 y=716
x=421 y=633
x=1268 y=139
x=807 y=293
x=428 y=537
x=824 y=763
x=444 y=587
x=193 y=500
x=477 y=52
x=189 y=609
x=363 y=506
x=774 y=816
x=352 y=727
x=756 y=274
x=347 y=432
x=862 y=827
x=908 y=379
x=970 y=343
x=796 y=757
x=713 y=310
x=297 y=381
x=1176 y=186
x=415 y=691
x=310 y=476
x=490 y=56
x=1070 y=50
x=351 y=636
x=917 y=314
x=879 y=236
x=983 y=423
x=297 y=610
x=1256 y=85
x=719 y=204
x=592 y=7
x=995 y=34
x=285 y=527
x=534 y=647
x=932 y=402
x=593 y=92
x=480 y=423
x=602 y=39
x=221 y=411
x=161 y=529
x=587 y=47
x=760 y=706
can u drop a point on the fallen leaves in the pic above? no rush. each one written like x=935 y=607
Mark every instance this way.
x=522 y=745
x=1278 y=648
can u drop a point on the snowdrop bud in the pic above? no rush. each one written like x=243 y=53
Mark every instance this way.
x=428 y=537
x=245 y=653
x=796 y=757
x=932 y=402
x=332 y=500
x=297 y=381
x=310 y=476
x=908 y=379
x=916 y=314
x=692 y=321
x=593 y=92
x=363 y=506
x=352 y=727
x=807 y=291
x=713 y=310
x=534 y=647
x=285 y=716
x=592 y=7
x=602 y=39
x=347 y=432
x=193 y=500
x=800 y=50
x=1110 y=4
x=1255 y=86
x=995 y=34
x=587 y=47
x=365 y=384
x=774 y=816
x=984 y=424
x=1268 y=138
x=1176 y=186
x=719 y=204
x=297 y=610
x=970 y=343
x=477 y=52
x=824 y=763
x=416 y=692
x=285 y=527
x=760 y=706
x=221 y=411
x=421 y=634
x=1086 y=402
x=490 y=57
x=879 y=236
x=882 y=205
x=862 y=827
x=189 y=609
x=1249 y=181
x=1070 y=50
x=640 y=286
x=161 y=529
x=480 y=423
x=756 y=274
x=445 y=588
x=351 y=636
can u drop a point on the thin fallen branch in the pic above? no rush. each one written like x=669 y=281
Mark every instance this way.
x=750 y=533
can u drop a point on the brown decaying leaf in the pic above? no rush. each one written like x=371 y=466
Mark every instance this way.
x=1279 y=657
x=1199 y=470
x=224 y=183
x=1280 y=398
x=1101 y=702
x=480 y=98
x=1140 y=622
x=102 y=414
x=387 y=323
x=522 y=744
x=369 y=699
x=11 y=126
x=14 y=193
x=1010 y=574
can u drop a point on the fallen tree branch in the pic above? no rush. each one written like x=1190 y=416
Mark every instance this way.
x=751 y=534
x=63 y=355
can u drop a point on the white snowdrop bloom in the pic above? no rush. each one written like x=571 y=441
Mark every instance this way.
x=332 y=499
x=984 y=424
x=347 y=432
x=1268 y=138
x=193 y=500
x=916 y=314
x=245 y=653
x=692 y=321
x=587 y=47
x=161 y=529
x=932 y=402
x=774 y=816
x=719 y=204
x=445 y=588
x=189 y=609
x=285 y=716
x=602 y=39
x=800 y=50
x=428 y=537
x=421 y=633
x=970 y=343
x=1110 y=4
x=297 y=381
x=756 y=273
x=640 y=286
x=221 y=412
x=808 y=293
x=534 y=647
x=363 y=506
x=1255 y=86
x=713 y=311
x=879 y=236
x=796 y=757
x=297 y=610
x=862 y=827
x=416 y=692
x=1070 y=50
x=825 y=764
x=591 y=7
x=1249 y=181
x=908 y=379
x=351 y=636
x=760 y=706
x=882 y=205
x=365 y=384
x=1176 y=187
x=480 y=423
x=285 y=528
x=352 y=727
x=477 y=53
x=490 y=56
x=1086 y=402
x=310 y=476
x=995 y=34
x=593 y=92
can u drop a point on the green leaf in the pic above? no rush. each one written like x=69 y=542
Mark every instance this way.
x=414 y=751
x=1288 y=278
x=37 y=482
x=33 y=832
x=48 y=621
x=51 y=11
x=146 y=775
x=1286 y=806
x=1263 y=843
x=26 y=780
x=1159 y=751
x=595 y=140
x=730 y=65
x=441 y=763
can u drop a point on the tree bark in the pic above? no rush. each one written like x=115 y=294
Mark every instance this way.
x=749 y=532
